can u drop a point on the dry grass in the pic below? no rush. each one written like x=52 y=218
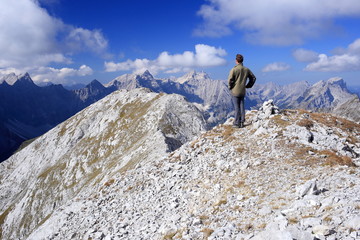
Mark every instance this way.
x=240 y=149
x=332 y=159
x=239 y=184
x=307 y=123
x=262 y=226
x=207 y=232
x=227 y=133
x=169 y=236
x=280 y=122
x=3 y=217
x=327 y=219
x=220 y=202
x=330 y=120
x=248 y=227
x=110 y=182
x=293 y=220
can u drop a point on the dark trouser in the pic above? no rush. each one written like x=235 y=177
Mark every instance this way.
x=239 y=104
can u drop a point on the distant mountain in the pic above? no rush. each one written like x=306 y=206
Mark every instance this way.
x=92 y=92
x=285 y=96
x=211 y=96
x=75 y=86
x=323 y=96
x=27 y=110
x=349 y=109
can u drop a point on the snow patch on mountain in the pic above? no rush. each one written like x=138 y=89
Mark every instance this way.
x=12 y=78
x=193 y=76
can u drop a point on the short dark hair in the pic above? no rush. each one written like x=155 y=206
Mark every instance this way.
x=239 y=58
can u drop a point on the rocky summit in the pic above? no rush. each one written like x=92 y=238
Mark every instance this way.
x=289 y=174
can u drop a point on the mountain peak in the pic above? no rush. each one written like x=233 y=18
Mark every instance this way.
x=193 y=76
x=24 y=79
x=13 y=79
x=146 y=75
x=337 y=81
x=95 y=84
x=10 y=79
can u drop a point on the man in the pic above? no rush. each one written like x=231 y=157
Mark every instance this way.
x=238 y=77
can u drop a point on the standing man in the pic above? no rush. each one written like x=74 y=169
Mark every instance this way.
x=237 y=83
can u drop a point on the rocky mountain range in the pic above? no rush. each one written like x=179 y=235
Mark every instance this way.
x=213 y=98
x=323 y=96
x=28 y=110
x=142 y=165
x=210 y=96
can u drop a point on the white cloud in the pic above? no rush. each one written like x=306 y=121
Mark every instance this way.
x=28 y=34
x=31 y=38
x=204 y=56
x=49 y=74
x=354 y=47
x=276 y=67
x=276 y=22
x=337 y=63
x=303 y=55
x=80 y=39
x=347 y=60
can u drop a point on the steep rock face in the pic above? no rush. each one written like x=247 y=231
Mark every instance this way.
x=107 y=138
x=288 y=174
x=325 y=95
x=215 y=98
x=349 y=109
x=92 y=92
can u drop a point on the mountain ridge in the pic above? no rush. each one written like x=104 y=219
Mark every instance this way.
x=124 y=128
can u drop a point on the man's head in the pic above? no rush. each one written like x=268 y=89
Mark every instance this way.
x=239 y=58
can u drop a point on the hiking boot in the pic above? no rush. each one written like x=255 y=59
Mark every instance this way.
x=241 y=125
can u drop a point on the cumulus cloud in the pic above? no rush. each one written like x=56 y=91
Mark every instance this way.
x=80 y=39
x=49 y=74
x=204 y=56
x=347 y=60
x=31 y=38
x=337 y=63
x=303 y=55
x=276 y=67
x=274 y=22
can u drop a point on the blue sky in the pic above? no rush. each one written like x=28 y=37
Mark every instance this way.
x=69 y=41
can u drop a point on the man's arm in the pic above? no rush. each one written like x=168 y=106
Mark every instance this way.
x=252 y=80
x=231 y=79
